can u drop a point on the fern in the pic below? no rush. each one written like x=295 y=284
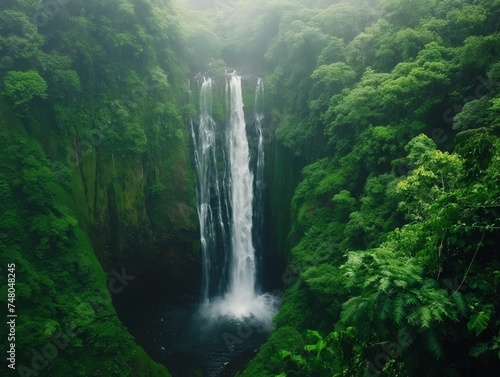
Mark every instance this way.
x=425 y=317
x=370 y=280
x=460 y=304
x=351 y=268
x=386 y=308
x=478 y=322
x=359 y=312
x=438 y=309
x=399 y=310
x=411 y=300
x=433 y=344
x=384 y=284
x=386 y=273
x=400 y=283
x=350 y=309
x=478 y=349
x=405 y=338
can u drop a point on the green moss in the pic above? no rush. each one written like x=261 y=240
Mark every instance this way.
x=267 y=362
x=285 y=175
x=219 y=110
x=68 y=317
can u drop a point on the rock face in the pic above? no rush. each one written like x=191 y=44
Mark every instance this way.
x=137 y=209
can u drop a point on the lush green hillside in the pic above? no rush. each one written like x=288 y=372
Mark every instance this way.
x=393 y=107
x=66 y=324
x=95 y=173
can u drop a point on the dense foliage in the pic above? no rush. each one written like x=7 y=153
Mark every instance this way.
x=393 y=107
x=389 y=108
x=66 y=324
x=92 y=135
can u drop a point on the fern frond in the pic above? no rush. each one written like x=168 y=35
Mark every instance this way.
x=478 y=349
x=384 y=284
x=410 y=300
x=386 y=308
x=425 y=317
x=433 y=344
x=370 y=280
x=414 y=318
x=350 y=269
x=438 y=310
x=478 y=322
x=460 y=304
x=386 y=272
x=405 y=338
x=400 y=283
x=350 y=309
x=399 y=309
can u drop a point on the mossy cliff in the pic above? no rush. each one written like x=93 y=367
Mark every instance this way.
x=66 y=323
x=96 y=178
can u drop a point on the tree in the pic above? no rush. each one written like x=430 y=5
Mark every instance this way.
x=474 y=114
x=22 y=87
x=20 y=39
x=418 y=86
x=436 y=174
x=408 y=12
x=352 y=113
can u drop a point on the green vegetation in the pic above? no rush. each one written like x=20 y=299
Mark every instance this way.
x=384 y=173
x=95 y=171
x=21 y=87
x=392 y=108
x=67 y=324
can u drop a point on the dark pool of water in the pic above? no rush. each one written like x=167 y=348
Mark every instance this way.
x=189 y=345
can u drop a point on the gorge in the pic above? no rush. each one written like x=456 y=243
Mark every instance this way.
x=214 y=334
x=250 y=188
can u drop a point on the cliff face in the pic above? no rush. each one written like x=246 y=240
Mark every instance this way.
x=62 y=292
x=285 y=173
x=139 y=207
x=96 y=176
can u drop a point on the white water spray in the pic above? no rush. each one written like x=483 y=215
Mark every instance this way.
x=240 y=300
x=242 y=284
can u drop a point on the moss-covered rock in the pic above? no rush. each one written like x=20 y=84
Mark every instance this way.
x=66 y=322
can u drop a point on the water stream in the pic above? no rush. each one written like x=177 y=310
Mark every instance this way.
x=215 y=335
x=259 y=184
x=237 y=297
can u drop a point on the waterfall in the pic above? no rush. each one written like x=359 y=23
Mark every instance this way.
x=259 y=116
x=242 y=285
x=210 y=214
x=259 y=170
x=225 y=201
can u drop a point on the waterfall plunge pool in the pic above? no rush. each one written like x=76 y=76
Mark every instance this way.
x=194 y=340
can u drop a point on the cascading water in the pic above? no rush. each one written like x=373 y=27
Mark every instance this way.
x=233 y=294
x=207 y=339
x=210 y=214
x=242 y=284
x=259 y=169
